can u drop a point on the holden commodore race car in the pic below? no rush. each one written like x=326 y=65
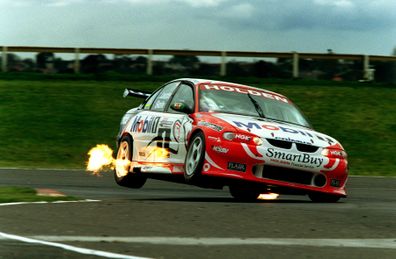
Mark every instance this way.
x=214 y=134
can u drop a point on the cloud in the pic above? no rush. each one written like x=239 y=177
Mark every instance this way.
x=202 y=24
x=335 y=3
x=191 y=3
x=61 y=3
x=202 y=3
x=239 y=11
x=342 y=15
x=15 y=3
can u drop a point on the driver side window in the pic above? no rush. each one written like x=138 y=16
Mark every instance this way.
x=163 y=97
x=184 y=95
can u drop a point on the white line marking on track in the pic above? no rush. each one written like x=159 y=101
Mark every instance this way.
x=68 y=247
x=43 y=169
x=45 y=202
x=388 y=243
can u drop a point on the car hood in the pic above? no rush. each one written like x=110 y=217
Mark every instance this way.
x=270 y=129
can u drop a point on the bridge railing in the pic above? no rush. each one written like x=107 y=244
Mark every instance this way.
x=223 y=55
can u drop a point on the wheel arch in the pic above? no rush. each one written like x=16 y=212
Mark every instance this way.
x=123 y=135
x=194 y=132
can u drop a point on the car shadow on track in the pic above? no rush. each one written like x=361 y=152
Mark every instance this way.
x=224 y=200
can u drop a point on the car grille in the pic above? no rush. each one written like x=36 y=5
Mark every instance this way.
x=287 y=175
x=280 y=143
x=306 y=148
x=287 y=145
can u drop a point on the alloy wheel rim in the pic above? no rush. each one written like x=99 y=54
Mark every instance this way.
x=194 y=156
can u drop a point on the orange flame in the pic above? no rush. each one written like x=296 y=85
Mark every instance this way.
x=101 y=159
x=268 y=196
x=122 y=166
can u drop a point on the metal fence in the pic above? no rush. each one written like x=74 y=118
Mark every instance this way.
x=223 y=55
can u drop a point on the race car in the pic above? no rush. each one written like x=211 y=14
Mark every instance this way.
x=214 y=134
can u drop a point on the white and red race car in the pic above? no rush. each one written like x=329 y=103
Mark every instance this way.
x=214 y=134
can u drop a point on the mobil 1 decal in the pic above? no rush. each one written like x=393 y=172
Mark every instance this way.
x=145 y=124
x=254 y=125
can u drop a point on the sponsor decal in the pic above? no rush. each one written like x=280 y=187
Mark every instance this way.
x=210 y=125
x=216 y=139
x=294 y=158
x=253 y=125
x=236 y=166
x=177 y=131
x=147 y=124
x=243 y=137
x=220 y=149
x=165 y=123
x=293 y=140
x=246 y=91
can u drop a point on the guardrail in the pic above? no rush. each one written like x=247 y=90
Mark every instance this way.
x=294 y=56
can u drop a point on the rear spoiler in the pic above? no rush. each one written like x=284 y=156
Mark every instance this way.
x=136 y=93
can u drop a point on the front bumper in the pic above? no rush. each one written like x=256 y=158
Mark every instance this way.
x=250 y=164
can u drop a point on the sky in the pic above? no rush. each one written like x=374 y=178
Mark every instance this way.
x=345 y=26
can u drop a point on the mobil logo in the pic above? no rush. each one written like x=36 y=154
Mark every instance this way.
x=147 y=124
x=254 y=125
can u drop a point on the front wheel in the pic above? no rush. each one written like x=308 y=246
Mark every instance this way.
x=122 y=174
x=320 y=197
x=195 y=158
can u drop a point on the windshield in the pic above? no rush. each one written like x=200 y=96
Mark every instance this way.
x=215 y=98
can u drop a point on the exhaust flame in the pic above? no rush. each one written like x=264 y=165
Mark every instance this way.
x=101 y=159
x=122 y=166
x=268 y=196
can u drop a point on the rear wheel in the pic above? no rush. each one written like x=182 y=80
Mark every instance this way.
x=195 y=158
x=122 y=174
x=244 y=193
x=320 y=197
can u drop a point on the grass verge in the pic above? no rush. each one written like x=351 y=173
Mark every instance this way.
x=53 y=123
x=26 y=194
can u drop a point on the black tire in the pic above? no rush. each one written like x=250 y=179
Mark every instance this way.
x=130 y=179
x=193 y=163
x=325 y=198
x=241 y=193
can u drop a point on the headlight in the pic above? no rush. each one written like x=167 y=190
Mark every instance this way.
x=233 y=136
x=258 y=141
x=229 y=136
x=334 y=153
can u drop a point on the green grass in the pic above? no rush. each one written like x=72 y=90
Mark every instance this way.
x=26 y=194
x=53 y=123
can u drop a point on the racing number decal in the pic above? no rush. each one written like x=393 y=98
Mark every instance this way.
x=169 y=135
x=163 y=140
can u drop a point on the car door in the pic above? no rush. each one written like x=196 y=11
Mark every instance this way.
x=177 y=125
x=158 y=131
x=145 y=125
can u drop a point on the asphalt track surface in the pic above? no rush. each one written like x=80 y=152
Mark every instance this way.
x=167 y=220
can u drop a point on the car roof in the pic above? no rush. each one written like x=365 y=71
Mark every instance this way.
x=198 y=81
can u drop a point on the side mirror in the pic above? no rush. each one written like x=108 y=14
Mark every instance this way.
x=181 y=107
